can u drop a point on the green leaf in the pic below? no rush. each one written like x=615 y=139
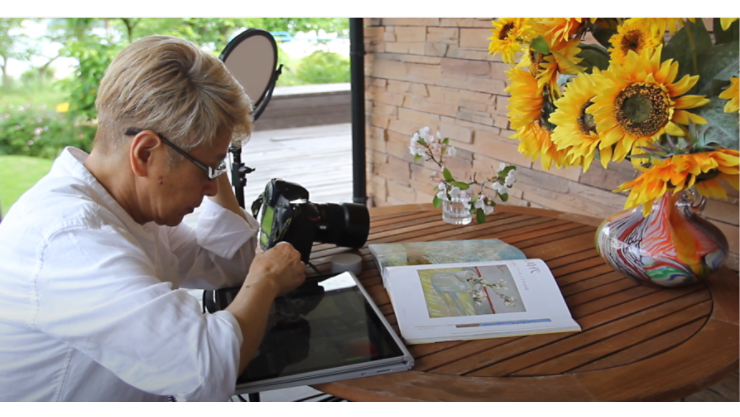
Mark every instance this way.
x=447 y=174
x=540 y=45
x=503 y=197
x=460 y=185
x=593 y=56
x=719 y=62
x=723 y=127
x=506 y=170
x=680 y=49
x=602 y=35
x=417 y=157
x=446 y=141
x=421 y=141
x=480 y=216
x=437 y=202
x=725 y=36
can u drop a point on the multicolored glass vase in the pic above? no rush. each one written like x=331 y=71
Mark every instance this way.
x=673 y=246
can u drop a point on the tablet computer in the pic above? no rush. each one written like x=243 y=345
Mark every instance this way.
x=327 y=330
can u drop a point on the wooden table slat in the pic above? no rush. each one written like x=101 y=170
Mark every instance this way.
x=589 y=336
x=418 y=219
x=424 y=349
x=578 y=276
x=646 y=349
x=613 y=300
x=684 y=313
x=565 y=246
x=702 y=360
x=523 y=345
x=573 y=266
x=589 y=284
x=635 y=306
x=576 y=257
x=441 y=358
x=599 y=292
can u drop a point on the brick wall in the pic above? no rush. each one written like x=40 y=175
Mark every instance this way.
x=437 y=72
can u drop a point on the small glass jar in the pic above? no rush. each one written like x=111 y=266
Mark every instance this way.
x=457 y=210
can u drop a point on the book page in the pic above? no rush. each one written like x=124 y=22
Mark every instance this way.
x=479 y=297
x=441 y=252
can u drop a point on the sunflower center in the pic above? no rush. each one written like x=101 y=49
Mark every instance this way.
x=586 y=121
x=504 y=33
x=632 y=41
x=642 y=109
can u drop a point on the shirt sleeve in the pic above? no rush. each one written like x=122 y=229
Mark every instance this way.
x=218 y=252
x=96 y=290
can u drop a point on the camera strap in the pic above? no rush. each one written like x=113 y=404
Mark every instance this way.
x=256 y=204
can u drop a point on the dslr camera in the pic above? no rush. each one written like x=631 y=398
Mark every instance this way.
x=286 y=214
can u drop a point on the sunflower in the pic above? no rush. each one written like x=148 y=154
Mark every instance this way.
x=507 y=35
x=660 y=25
x=559 y=29
x=639 y=101
x=701 y=170
x=526 y=101
x=535 y=142
x=575 y=130
x=726 y=22
x=562 y=60
x=636 y=36
x=732 y=93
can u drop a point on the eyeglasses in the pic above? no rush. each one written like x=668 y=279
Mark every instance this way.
x=212 y=173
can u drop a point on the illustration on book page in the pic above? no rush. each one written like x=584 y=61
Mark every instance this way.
x=470 y=291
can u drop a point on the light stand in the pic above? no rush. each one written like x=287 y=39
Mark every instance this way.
x=251 y=57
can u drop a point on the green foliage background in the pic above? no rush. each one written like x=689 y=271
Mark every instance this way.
x=28 y=106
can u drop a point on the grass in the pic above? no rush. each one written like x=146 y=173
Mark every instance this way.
x=17 y=175
x=37 y=95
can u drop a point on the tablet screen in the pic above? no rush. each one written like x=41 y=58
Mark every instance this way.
x=323 y=324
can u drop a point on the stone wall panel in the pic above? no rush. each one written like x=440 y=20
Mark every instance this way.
x=437 y=72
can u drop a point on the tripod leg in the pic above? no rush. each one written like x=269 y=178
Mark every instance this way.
x=254 y=397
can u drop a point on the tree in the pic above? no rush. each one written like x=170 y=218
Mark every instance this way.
x=95 y=41
x=13 y=45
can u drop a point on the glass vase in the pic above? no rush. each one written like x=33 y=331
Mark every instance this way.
x=456 y=210
x=673 y=246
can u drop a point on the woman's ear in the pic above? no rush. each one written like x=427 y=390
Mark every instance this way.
x=143 y=151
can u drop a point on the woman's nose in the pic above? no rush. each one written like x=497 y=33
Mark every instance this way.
x=211 y=188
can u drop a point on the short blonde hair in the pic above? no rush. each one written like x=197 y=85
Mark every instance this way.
x=168 y=85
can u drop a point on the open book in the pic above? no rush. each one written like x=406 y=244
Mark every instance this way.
x=476 y=300
x=441 y=252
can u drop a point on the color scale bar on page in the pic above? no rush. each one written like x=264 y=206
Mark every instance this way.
x=503 y=323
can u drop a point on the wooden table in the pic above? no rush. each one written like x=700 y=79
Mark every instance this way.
x=637 y=343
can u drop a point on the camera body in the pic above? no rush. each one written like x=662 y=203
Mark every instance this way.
x=286 y=214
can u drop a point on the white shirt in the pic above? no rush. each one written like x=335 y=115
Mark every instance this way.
x=90 y=308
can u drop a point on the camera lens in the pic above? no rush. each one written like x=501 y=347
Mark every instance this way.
x=346 y=224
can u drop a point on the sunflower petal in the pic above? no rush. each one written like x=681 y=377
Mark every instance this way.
x=612 y=137
x=683 y=117
x=673 y=129
x=689 y=102
x=682 y=86
x=732 y=180
x=605 y=155
x=711 y=189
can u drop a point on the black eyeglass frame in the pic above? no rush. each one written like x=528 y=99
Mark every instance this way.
x=210 y=172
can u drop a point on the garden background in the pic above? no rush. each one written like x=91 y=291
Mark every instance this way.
x=42 y=109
